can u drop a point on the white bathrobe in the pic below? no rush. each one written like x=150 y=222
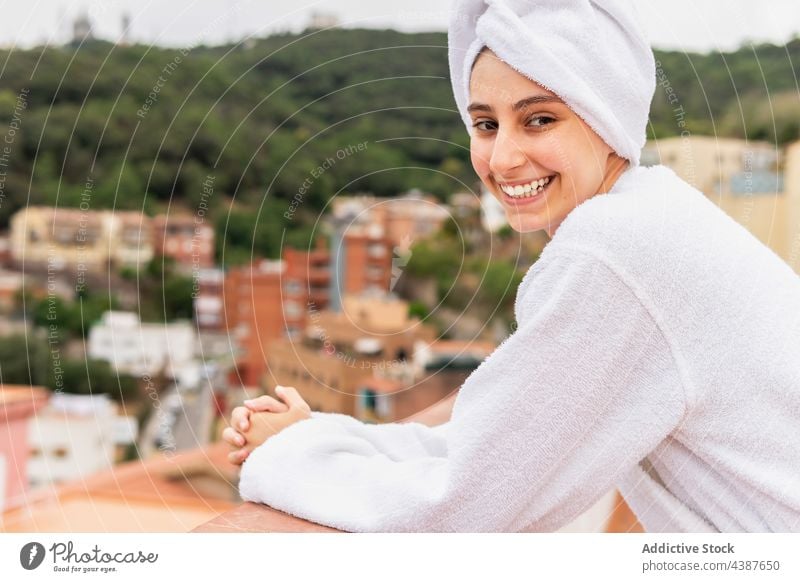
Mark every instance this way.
x=657 y=351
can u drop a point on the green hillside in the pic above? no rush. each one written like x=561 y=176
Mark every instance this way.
x=281 y=120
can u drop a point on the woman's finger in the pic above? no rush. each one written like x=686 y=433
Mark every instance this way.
x=240 y=418
x=233 y=438
x=237 y=457
x=292 y=397
x=265 y=404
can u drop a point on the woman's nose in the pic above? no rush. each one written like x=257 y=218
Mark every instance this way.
x=507 y=155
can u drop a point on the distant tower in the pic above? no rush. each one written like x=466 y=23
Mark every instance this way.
x=125 y=37
x=82 y=28
x=320 y=20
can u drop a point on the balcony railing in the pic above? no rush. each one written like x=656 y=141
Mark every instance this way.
x=253 y=517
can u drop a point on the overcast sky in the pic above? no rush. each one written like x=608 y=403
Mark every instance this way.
x=696 y=25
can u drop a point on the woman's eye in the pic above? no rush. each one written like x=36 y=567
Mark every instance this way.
x=478 y=125
x=541 y=120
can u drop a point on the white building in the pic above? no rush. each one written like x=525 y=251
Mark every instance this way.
x=140 y=349
x=493 y=216
x=75 y=436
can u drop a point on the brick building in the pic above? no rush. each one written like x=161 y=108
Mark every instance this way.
x=269 y=300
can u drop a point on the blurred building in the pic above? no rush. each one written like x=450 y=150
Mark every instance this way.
x=130 y=235
x=85 y=240
x=10 y=287
x=465 y=205
x=142 y=349
x=187 y=240
x=320 y=20
x=253 y=315
x=82 y=28
x=371 y=239
x=75 y=436
x=409 y=217
x=493 y=216
x=744 y=178
x=269 y=300
x=5 y=250
x=436 y=371
x=173 y=493
x=208 y=299
x=365 y=263
x=42 y=236
x=791 y=169
x=340 y=351
x=307 y=280
x=719 y=165
x=17 y=405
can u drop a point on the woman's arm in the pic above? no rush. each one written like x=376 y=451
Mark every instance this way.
x=585 y=388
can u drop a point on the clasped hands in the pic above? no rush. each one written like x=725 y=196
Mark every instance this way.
x=263 y=417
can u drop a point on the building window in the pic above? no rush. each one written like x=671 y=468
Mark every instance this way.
x=292 y=288
x=292 y=309
x=372 y=406
x=376 y=250
x=383 y=405
x=369 y=400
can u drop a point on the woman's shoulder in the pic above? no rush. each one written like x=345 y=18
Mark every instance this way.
x=647 y=224
x=642 y=212
x=641 y=197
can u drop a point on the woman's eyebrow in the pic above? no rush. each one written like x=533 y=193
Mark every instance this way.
x=521 y=104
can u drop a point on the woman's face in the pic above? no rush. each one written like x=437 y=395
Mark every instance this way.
x=537 y=157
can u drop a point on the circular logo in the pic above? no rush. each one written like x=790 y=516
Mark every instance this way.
x=31 y=555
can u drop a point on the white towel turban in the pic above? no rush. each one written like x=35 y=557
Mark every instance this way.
x=592 y=54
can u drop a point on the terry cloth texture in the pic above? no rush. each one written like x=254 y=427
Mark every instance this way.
x=593 y=55
x=656 y=352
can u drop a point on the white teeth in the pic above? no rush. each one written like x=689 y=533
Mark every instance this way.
x=526 y=190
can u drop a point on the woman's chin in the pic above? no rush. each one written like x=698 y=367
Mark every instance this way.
x=523 y=224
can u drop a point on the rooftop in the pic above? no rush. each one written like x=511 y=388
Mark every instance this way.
x=20 y=401
x=164 y=494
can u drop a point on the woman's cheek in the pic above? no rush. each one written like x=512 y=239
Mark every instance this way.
x=480 y=159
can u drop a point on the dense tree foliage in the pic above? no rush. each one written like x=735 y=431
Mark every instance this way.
x=32 y=359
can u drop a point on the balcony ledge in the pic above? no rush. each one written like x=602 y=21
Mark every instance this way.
x=254 y=517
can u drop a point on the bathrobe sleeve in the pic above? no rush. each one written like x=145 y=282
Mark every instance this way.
x=398 y=441
x=584 y=388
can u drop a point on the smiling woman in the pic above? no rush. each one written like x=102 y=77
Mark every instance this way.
x=657 y=340
x=537 y=157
